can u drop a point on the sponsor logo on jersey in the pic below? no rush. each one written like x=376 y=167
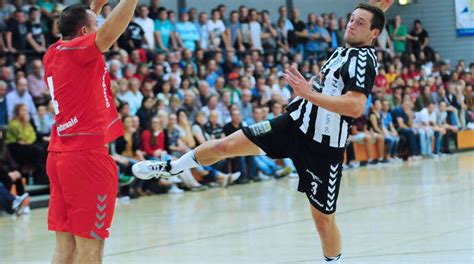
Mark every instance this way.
x=72 y=122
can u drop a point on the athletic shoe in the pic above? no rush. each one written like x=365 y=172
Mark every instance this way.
x=16 y=205
x=234 y=176
x=293 y=175
x=125 y=180
x=147 y=170
x=25 y=210
x=226 y=180
x=174 y=189
x=263 y=177
x=283 y=172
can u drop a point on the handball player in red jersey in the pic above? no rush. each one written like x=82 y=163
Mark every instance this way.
x=83 y=176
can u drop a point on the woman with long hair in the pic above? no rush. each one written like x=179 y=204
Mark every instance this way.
x=20 y=138
x=153 y=140
x=146 y=111
x=183 y=124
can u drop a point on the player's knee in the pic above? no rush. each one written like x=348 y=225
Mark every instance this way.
x=90 y=251
x=64 y=255
x=222 y=147
x=325 y=223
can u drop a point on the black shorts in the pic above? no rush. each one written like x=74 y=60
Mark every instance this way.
x=319 y=166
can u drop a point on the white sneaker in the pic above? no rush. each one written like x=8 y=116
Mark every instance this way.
x=293 y=175
x=16 y=205
x=226 y=181
x=174 y=189
x=25 y=210
x=146 y=170
x=234 y=176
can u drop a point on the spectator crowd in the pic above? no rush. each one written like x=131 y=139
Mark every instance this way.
x=180 y=79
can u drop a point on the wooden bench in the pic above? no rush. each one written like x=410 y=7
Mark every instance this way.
x=466 y=139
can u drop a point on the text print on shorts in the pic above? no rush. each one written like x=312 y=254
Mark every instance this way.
x=261 y=128
x=314 y=187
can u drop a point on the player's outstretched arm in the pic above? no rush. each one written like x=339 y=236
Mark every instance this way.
x=115 y=24
x=382 y=4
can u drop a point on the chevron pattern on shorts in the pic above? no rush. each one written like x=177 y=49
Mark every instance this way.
x=100 y=215
x=330 y=202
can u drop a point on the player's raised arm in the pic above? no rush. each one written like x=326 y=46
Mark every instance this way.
x=382 y=4
x=115 y=24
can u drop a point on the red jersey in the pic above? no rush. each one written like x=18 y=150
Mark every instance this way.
x=79 y=82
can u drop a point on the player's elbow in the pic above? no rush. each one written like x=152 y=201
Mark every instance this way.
x=356 y=111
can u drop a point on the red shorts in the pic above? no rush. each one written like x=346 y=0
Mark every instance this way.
x=84 y=186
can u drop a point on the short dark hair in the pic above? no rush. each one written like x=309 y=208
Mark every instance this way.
x=378 y=19
x=72 y=19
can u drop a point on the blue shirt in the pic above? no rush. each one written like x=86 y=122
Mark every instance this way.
x=387 y=119
x=317 y=45
x=188 y=33
x=13 y=98
x=3 y=112
x=165 y=28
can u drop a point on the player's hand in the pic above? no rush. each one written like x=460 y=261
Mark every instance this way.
x=299 y=84
x=99 y=3
x=382 y=4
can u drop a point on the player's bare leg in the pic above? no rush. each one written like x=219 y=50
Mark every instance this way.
x=88 y=251
x=65 y=248
x=210 y=152
x=328 y=233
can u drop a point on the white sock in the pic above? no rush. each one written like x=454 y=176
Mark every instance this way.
x=187 y=161
x=334 y=260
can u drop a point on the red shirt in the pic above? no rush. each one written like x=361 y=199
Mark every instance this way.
x=146 y=145
x=79 y=82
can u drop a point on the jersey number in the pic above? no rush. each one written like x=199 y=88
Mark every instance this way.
x=51 y=90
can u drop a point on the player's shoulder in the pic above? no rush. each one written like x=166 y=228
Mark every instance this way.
x=364 y=54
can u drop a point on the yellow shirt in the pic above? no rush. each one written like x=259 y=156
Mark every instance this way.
x=18 y=132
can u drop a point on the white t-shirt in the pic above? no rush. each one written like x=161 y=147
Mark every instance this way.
x=217 y=27
x=256 y=31
x=148 y=27
x=285 y=93
x=424 y=117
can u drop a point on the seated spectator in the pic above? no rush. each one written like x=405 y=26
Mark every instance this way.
x=36 y=85
x=20 y=96
x=3 y=105
x=376 y=127
x=468 y=100
x=404 y=123
x=425 y=130
x=43 y=121
x=133 y=96
x=360 y=135
x=237 y=164
x=186 y=130
x=146 y=111
x=443 y=122
x=424 y=99
x=9 y=170
x=153 y=141
x=10 y=203
x=392 y=139
x=20 y=138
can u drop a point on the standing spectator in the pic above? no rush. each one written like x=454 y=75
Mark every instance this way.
x=269 y=33
x=164 y=31
x=217 y=27
x=186 y=33
x=6 y=10
x=255 y=31
x=205 y=35
x=20 y=95
x=398 y=32
x=297 y=39
x=3 y=105
x=36 y=85
x=336 y=39
x=35 y=37
x=420 y=40
x=154 y=9
x=16 y=33
x=317 y=45
x=133 y=37
x=147 y=25
x=234 y=32
x=104 y=13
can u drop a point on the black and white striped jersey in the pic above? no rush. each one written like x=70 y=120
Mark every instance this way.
x=348 y=69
